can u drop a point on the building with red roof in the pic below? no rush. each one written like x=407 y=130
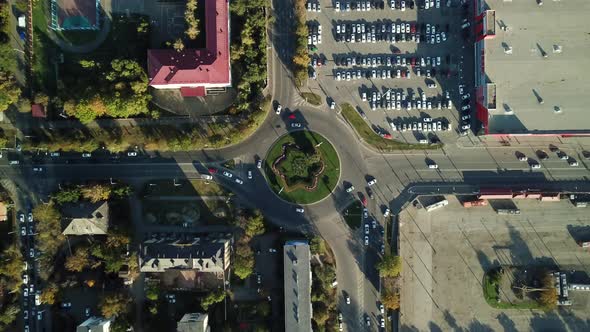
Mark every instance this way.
x=193 y=71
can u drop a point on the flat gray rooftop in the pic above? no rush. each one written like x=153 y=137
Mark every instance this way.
x=297 y=275
x=525 y=75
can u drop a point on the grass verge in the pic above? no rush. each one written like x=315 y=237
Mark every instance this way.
x=380 y=143
x=312 y=98
x=353 y=213
x=328 y=179
x=193 y=187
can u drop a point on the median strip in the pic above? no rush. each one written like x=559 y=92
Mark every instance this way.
x=373 y=139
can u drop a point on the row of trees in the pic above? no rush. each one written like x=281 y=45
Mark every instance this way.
x=248 y=52
x=10 y=282
x=49 y=238
x=162 y=138
x=301 y=55
x=390 y=266
x=192 y=22
x=93 y=192
x=9 y=90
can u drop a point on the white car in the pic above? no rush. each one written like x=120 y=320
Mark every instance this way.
x=25 y=280
x=466 y=117
x=86 y=155
x=364 y=96
x=295 y=125
x=350 y=189
x=347 y=299
x=403 y=5
x=37 y=299
x=386 y=213
x=131 y=154
x=227 y=174
x=372 y=182
x=465 y=107
x=465 y=96
x=572 y=162
x=279 y=108
x=523 y=158
x=535 y=166
x=466 y=126
x=366 y=229
x=337 y=7
x=338 y=76
x=299 y=210
x=433 y=166
x=23 y=231
x=239 y=181
x=427 y=119
x=382 y=308
x=366 y=240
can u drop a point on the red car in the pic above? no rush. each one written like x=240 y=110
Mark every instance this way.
x=403 y=73
x=413 y=28
x=292 y=116
x=212 y=170
x=388 y=136
x=413 y=62
x=364 y=201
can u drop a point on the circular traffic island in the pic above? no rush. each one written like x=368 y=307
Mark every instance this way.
x=302 y=167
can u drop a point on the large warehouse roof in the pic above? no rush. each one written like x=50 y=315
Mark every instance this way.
x=526 y=76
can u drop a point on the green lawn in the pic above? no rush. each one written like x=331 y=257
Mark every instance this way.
x=312 y=98
x=369 y=136
x=328 y=179
x=353 y=214
x=44 y=50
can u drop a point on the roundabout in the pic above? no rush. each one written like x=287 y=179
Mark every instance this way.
x=302 y=167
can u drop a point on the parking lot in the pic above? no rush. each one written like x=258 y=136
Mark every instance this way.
x=396 y=67
x=447 y=251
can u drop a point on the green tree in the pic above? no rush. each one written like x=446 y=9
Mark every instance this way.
x=49 y=294
x=178 y=45
x=389 y=266
x=317 y=245
x=321 y=313
x=255 y=225
x=78 y=261
x=212 y=298
x=9 y=314
x=152 y=293
x=121 y=192
x=9 y=91
x=11 y=267
x=113 y=305
x=243 y=261
x=68 y=195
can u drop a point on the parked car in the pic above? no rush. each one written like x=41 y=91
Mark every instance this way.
x=279 y=108
x=227 y=174
x=299 y=210
x=371 y=182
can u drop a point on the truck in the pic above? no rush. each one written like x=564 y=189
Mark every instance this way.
x=477 y=202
